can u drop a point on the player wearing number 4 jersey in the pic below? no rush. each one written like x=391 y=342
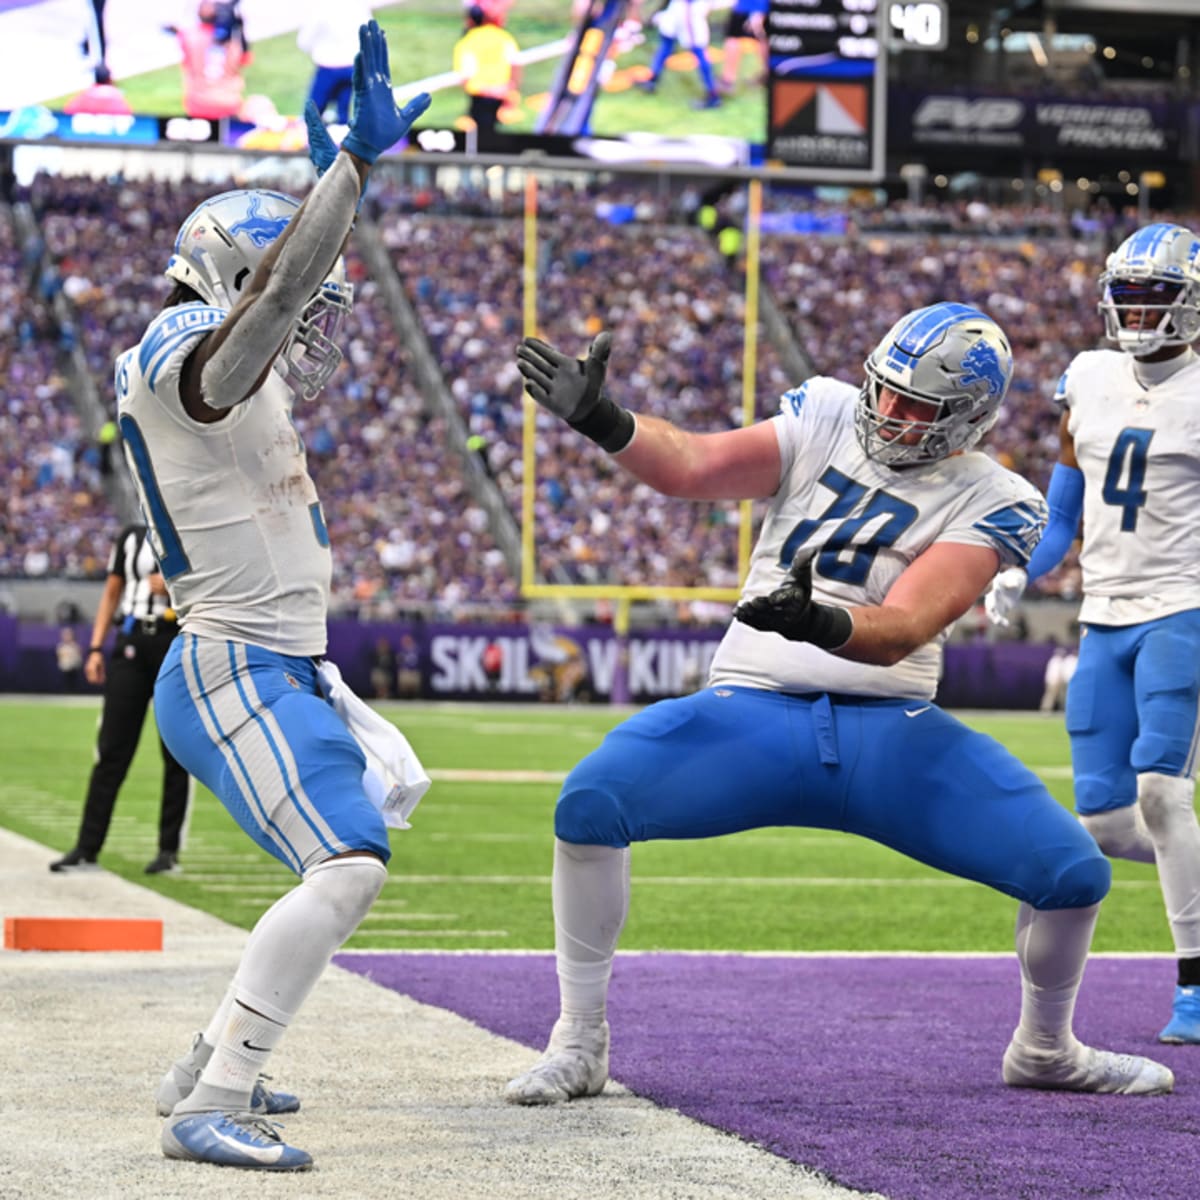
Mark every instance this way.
x=205 y=403
x=883 y=526
x=1130 y=463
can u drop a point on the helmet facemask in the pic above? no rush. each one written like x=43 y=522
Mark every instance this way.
x=1152 y=280
x=951 y=365
x=311 y=355
x=888 y=439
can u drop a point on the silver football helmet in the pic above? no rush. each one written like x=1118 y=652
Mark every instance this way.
x=953 y=365
x=216 y=252
x=1150 y=290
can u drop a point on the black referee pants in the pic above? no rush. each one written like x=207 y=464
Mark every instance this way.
x=128 y=688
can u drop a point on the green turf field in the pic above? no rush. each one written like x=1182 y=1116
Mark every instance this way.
x=474 y=870
x=421 y=36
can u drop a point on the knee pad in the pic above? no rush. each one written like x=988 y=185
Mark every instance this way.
x=1083 y=881
x=1120 y=833
x=1165 y=801
x=347 y=887
x=590 y=815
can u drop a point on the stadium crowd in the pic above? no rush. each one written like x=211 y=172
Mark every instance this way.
x=404 y=526
x=56 y=519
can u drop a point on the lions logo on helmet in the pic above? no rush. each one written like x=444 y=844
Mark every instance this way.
x=949 y=361
x=217 y=251
x=1150 y=290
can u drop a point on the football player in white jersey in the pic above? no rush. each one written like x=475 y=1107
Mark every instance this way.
x=204 y=404
x=883 y=527
x=1130 y=465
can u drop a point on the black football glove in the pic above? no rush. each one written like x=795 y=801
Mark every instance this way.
x=573 y=389
x=791 y=612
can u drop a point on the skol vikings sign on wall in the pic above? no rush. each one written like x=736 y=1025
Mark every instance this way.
x=561 y=664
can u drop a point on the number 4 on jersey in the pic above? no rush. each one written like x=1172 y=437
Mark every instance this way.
x=1133 y=447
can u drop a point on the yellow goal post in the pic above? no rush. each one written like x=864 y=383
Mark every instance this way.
x=623 y=594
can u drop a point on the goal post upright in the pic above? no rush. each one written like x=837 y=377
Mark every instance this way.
x=622 y=596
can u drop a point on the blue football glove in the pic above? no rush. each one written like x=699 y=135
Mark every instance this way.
x=377 y=124
x=321 y=147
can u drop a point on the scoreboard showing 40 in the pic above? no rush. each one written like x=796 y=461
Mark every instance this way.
x=919 y=26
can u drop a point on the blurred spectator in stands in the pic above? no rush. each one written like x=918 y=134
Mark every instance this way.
x=67 y=612
x=70 y=660
x=492 y=661
x=106 y=439
x=408 y=668
x=1059 y=669
x=478 y=445
x=383 y=670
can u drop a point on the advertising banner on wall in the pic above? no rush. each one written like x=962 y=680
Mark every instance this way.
x=531 y=663
x=545 y=663
x=1042 y=126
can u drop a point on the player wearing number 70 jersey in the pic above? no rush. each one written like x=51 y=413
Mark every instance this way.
x=205 y=403
x=1130 y=463
x=883 y=526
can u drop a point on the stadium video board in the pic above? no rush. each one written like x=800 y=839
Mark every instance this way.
x=827 y=87
x=610 y=80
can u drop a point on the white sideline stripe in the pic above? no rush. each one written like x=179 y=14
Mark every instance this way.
x=399 y=916
x=710 y=881
x=430 y=933
x=464 y=775
x=1148 y=955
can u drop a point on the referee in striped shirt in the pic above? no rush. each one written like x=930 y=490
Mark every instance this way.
x=135 y=597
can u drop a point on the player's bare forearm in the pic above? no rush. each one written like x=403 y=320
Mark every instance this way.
x=741 y=464
x=934 y=591
x=884 y=636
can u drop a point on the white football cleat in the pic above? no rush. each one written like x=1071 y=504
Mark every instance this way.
x=1082 y=1069
x=575 y=1064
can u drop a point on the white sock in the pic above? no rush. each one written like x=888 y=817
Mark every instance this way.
x=1121 y=833
x=591 y=900
x=1168 y=808
x=212 y=1035
x=242 y=1050
x=1052 y=948
x=284 y=957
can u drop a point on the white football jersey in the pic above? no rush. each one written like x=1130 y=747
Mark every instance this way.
x=1139 y=451
x=867 y=522
x=237 y=527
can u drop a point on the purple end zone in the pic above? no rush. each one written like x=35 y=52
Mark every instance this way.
x=882 y=1072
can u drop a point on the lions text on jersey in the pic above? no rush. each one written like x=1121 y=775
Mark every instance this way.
x=866 y=522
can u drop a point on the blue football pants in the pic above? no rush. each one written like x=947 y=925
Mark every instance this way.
x=903 y=773
x=252 y=726
x=1132 y=707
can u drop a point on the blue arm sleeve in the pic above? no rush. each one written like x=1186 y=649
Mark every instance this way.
x=1065 y=498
